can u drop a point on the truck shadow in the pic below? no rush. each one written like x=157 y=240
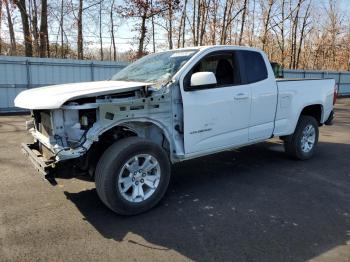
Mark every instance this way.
x=255 y=204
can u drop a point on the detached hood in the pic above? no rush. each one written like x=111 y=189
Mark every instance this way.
x=51 y=97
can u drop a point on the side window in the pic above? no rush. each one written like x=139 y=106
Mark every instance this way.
x=253 y=66
x=223 y=65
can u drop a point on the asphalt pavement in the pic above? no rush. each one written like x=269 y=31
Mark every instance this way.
x=251 y=204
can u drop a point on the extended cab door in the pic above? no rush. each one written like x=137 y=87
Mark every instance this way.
x=260 y=79
x=216 y=117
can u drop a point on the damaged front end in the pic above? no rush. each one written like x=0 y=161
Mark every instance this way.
x=59 y=135
x=77 y=133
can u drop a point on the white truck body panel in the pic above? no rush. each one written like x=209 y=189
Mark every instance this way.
x=53 y=97
x=295 y=95
x=207 y=115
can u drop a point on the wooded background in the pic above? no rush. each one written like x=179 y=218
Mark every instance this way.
x=299 y=34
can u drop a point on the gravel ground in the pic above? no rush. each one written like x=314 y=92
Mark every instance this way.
x=251 y=204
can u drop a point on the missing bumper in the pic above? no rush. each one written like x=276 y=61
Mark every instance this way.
x=41 y=164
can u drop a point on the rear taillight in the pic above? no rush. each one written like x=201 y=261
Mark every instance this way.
x=335 y=94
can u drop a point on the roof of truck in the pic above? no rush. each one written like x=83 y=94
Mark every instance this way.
x=218 y=46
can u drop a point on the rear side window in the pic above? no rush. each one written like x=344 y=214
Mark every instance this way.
x=252 y=66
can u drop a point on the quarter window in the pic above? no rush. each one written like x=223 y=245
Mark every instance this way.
x=253 y=66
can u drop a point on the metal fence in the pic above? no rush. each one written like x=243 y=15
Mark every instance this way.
x=21 y=73
x=341 y=78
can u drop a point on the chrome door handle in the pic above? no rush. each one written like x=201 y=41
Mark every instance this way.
x=241 y=96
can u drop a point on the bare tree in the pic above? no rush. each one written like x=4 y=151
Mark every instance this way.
x=243 y=21
x=182 y=29
x=80 y=30
x=193 y=26
x=33 y=15
x=280 y=28
x=227 y=9
x=153 y=31
x=303 y=33
x=170 y=8
x=252 y=24
x=295 y=25
x=44 y=35
x=170 y=31
x=143 y=10
x=61 y=27
x=13 y=50
x=334 y=27
x=100 y=29
x=112 y=30
x=199 y=9
x=345 y=42
x=267 y=19
x=25 y=27
x=204 y=20
x=0 y=27
x=214 y=21
x=227 y=20
x=200 y=17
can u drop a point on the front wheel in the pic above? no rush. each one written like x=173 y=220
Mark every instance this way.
x=132 y=176
x=302 y=143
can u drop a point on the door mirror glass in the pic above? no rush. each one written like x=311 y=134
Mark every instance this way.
x=202 y=80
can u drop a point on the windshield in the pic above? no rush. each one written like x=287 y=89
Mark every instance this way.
x=155 y=68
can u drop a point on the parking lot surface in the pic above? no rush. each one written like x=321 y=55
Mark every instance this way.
x=251 y=204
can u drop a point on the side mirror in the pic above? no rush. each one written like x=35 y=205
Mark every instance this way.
x=202 y=80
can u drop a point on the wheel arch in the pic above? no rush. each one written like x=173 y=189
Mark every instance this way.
x=314 y=110
x=106 y=136
x=144 y=128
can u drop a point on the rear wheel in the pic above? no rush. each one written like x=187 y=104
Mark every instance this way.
x=302 y=144
x=132 y=176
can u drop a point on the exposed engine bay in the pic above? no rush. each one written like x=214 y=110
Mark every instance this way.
x=81 y=129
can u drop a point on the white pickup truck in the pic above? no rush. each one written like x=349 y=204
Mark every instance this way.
x=168 y=107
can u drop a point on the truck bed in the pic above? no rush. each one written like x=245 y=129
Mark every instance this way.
x=296 y=94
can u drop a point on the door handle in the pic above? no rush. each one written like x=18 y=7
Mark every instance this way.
x=241 y=96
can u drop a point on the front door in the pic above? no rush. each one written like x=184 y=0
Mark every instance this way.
x=217 y=117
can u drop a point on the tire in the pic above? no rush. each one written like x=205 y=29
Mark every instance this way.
x=124 y=161
x=296 y=146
